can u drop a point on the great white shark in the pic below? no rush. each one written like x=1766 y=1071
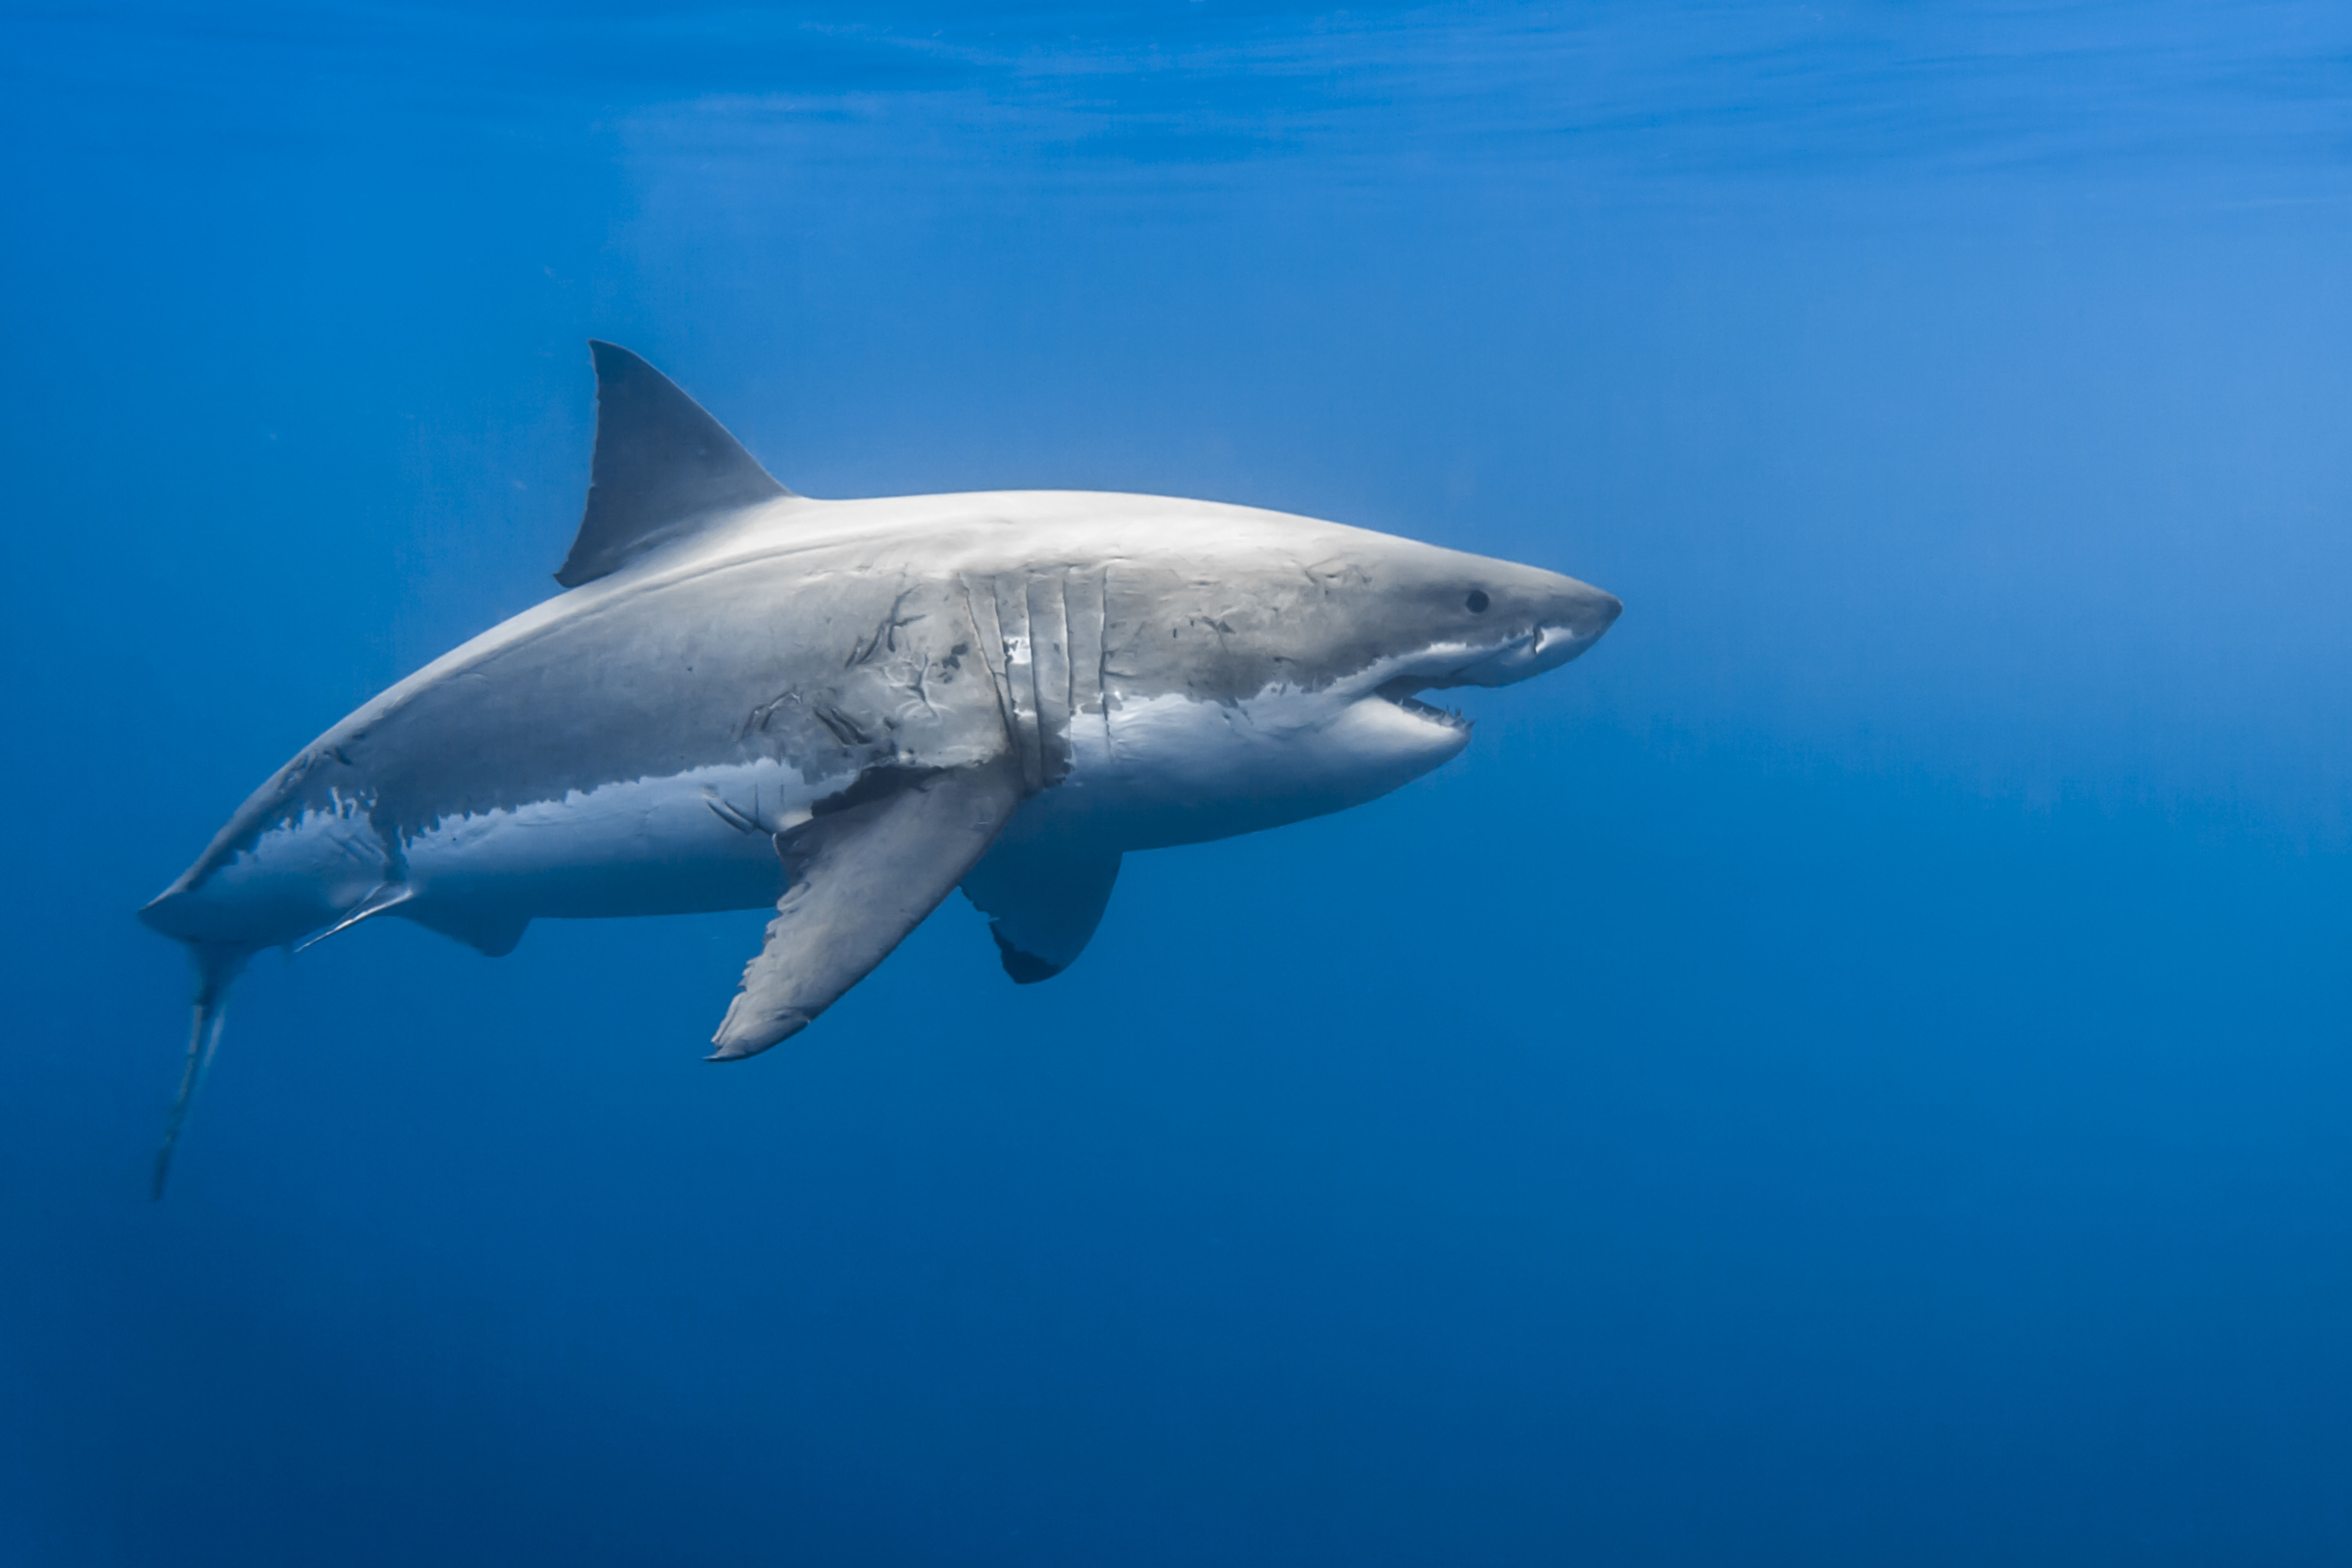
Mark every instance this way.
x=845 y=709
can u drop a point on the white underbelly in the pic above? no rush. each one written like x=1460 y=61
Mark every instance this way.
x=1169 y=770
x=692 y=841
x=1144 y=774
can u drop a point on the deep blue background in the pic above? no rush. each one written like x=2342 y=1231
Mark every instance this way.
x=1854 y=1071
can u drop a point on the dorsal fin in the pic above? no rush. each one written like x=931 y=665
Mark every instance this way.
x=662 y=466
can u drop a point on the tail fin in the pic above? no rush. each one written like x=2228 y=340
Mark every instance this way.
x=215 y=968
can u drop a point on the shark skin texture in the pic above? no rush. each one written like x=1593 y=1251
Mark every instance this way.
x=845 y=709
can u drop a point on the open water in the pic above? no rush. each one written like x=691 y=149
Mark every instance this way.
x=1856 y=1071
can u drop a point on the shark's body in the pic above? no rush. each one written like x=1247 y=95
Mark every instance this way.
x=846 y=709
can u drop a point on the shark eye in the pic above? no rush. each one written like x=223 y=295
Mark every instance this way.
x=1477 y=602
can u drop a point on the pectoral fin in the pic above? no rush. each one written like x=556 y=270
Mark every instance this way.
x=1044 y=898
x=861 y=878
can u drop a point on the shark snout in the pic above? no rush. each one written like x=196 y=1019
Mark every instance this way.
x=1567 y=622
x=1579 y=618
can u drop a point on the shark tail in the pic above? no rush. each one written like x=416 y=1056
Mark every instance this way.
x=216 y=968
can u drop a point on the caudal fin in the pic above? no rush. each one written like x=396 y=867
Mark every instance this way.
x=215 y=968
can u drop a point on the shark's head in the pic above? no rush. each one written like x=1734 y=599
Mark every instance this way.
x=1392 y=618
x=1446 y=619
x=1292 y=665
x=1416 y=618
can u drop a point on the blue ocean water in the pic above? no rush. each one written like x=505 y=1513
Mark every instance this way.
x=1853 y=1071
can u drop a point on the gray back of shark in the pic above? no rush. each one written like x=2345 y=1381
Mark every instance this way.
x=845 y=709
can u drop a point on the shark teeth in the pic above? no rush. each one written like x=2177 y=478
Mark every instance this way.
x=1452 y=717
x=1402 y=692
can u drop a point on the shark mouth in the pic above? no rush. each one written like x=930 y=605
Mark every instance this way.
x=1400 y=692
x=1447 y=668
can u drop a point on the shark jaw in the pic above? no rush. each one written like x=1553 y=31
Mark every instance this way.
x=1511 y=659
